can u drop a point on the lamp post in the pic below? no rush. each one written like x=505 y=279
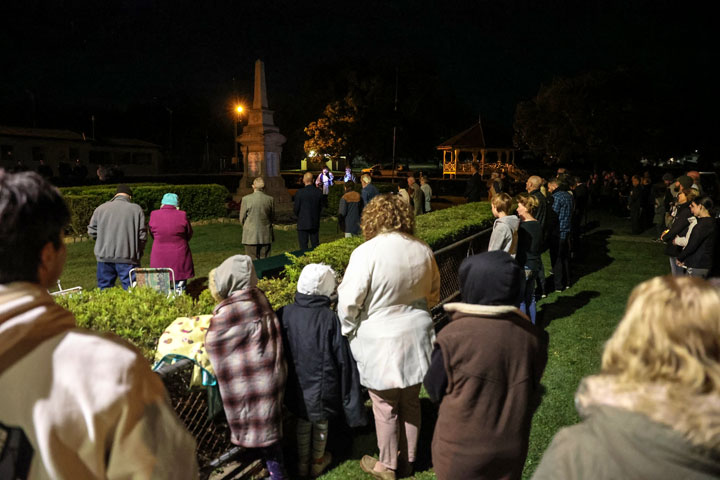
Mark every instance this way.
x=238 y=112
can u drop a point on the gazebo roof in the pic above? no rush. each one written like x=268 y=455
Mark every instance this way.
x=473 y=137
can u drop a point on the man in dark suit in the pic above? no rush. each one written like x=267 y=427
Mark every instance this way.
x=257 y=213
x=308 y=205
x=474 y=186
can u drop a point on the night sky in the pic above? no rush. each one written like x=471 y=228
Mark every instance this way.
x=62 y=60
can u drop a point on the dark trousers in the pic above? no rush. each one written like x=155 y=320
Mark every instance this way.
x=107 y=273
x=560 y=259
x=257 y=251
x=305 y=235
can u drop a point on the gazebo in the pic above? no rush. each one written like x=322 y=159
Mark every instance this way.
x=472 y=140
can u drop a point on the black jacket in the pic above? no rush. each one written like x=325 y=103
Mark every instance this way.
x=350 y=212
x=323 y=380
x=540 y=213
x=678 y=227
x=698 y=253
x=308 y=205
x=474 y=188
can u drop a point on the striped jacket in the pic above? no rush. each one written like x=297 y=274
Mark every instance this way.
x=244 y=343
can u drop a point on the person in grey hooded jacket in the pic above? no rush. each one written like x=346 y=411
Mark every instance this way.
x=244 y=343
x=505 y=229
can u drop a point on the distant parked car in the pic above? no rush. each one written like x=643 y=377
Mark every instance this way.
x=375 y=169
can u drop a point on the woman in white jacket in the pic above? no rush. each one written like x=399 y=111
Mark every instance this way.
x=389 y=286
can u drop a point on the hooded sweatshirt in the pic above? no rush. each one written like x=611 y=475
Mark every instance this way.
x=244 y=343
x=323 y=381
x=504 y=235
x=485 y=373
x=88 y=403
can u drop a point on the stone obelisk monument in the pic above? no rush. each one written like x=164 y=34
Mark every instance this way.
x=261 y=146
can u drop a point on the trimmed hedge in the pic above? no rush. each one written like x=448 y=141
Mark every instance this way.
x=438 y=229
x=139 y=315
x=199 y=201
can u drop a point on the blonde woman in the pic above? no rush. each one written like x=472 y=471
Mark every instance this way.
x=654 y=410
x=384 y=304
x=529 y=251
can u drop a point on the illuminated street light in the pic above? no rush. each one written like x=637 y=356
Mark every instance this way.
x=239 y=110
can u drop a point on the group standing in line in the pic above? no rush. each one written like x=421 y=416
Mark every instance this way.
x=657 y=392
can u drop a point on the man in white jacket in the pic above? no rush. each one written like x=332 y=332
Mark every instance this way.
x=87 y=403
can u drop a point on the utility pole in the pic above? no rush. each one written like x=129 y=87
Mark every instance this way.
x=395 y=126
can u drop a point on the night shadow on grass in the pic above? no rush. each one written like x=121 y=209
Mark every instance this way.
x=347 y=443
x=423 y=460
x=591 y=254
x=565 y=305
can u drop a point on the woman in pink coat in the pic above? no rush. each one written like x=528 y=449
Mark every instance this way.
x=171 y=232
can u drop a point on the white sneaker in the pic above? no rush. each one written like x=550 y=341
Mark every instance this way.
x=320 y=464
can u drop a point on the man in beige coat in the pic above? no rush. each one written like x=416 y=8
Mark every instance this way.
x=257 y=213
x=87 y=404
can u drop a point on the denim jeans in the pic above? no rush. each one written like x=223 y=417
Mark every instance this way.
x=528 y=304
x=107 y=272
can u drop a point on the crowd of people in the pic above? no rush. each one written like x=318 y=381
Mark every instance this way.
x=89 y=405
x=257 y=210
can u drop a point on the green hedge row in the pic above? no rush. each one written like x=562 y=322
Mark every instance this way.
x=199 y=201
x=139 y=315
x=438 y=229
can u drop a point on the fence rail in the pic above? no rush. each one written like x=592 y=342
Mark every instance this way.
x=448 y=260
x=213 y=436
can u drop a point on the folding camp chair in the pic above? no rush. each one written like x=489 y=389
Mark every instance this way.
x=66 y=291
x=160 y=279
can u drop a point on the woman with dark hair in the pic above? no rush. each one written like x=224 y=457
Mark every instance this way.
x=697 y=256
x=384 y=302
x=678 y=228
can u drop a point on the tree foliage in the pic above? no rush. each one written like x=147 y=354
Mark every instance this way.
x=359 y=124
x=331 y=133
x=596 y=117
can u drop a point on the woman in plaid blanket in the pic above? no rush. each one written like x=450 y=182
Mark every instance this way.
x=244 y=343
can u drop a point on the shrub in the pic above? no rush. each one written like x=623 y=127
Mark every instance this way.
x=139 y=315
x=438 y=229
x=199 y=201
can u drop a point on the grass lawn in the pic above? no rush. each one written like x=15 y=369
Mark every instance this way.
x=579 y=321
x=210 y=245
